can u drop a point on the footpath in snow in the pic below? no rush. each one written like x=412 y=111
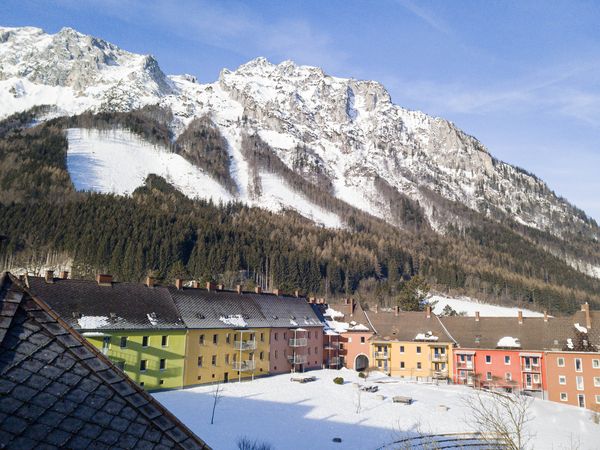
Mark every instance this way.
x=290 y=415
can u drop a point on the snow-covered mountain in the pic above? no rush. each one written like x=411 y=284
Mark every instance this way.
x=347 y=133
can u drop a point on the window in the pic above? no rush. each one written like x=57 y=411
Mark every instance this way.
x=508 y=376
x=123 y=341
x=341 y=346
x=488 y=376
x=418 y=349
x=536 y=378
x=275 y=353
x=284 y=335
x=141 y=384
x=418 y=366
x=402 y=364
x=562 y=379
x=316 y=350
x=564 y=397
x=261 y=355
x=597 y=399
x=275 y=336
x=309 y=334
x=350 y=339
x=215 y=338
x=309 y=350
x=144 y=341
x=214 y=360
x=560 y=362
x=402 y=349
x=201 y=339
x=578 y=366
x=579 y=382
x=581 y=400
x=164 y=341
x=595 y=363
x=596 y=381
x=161 y=382
x=226 y=359
x=163 y=364
x=227 y=338
x=143 y=365
x=488 y=359
x=199 y=377
x=262 y=337
x=199 y=361
x=105 y=343
x=379 y=364
x=362 y=339
x=507 y=360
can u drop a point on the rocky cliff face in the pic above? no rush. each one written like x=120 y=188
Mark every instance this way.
x=346 y=133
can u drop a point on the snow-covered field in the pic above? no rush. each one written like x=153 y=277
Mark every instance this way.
x=119 y=161
x=291 y=415
x=470 y=307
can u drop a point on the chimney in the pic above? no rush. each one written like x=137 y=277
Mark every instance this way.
x=64 y=274
x=150 y=281
x=179 y=283
x=210 y=286
x=396 y=310
x=257 y=289
x=476 y=316
x=351 y=307
x=520 y=317
x=195 y=284
x=376 y=308
x=220 y=287
x=346 y=301
x=238 y=288
x=545 y=316
x=104 y=279
x=588 y=319
x=49 y=276
x=428 y=311
x=297 y=293
x=277 y=292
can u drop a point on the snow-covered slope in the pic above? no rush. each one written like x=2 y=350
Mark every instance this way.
x=351 y=133
x=118 y=162
x=469 y=307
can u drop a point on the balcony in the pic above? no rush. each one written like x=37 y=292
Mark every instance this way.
x=297 y=359
x=440 y=374
x=438 y=357
x=332 y=346
x=299 y=342
x=531 y=368
x=334 y=361
x=243 y=366
x=468 y=365
x=244 y=345
x=382 y=355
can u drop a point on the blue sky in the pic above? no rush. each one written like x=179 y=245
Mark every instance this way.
x=523 y=77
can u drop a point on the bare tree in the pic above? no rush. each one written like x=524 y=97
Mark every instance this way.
x=217 y=393
x=500 y=416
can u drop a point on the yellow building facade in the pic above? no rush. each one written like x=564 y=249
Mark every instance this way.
x=413 y=359
x=223 y=355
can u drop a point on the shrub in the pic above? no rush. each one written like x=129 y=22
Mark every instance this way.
x=245 y=443
x=362 y=375
x=338 y=380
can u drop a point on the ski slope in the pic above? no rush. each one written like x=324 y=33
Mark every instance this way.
x=291 y=415
x=469 y=307
x=118 y=162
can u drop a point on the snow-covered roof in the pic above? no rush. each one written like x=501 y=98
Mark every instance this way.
x=92 y=322
x=427 y=336
x=581 y=328
x=334 y=314
x=235 y=320
x=508 y=341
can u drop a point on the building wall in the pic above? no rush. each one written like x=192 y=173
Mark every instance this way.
x=418 y=358
x=280 y=349
x=590 y=369
x=132 y=355
x=354 y=343
x=200 y=343
x=494 y=373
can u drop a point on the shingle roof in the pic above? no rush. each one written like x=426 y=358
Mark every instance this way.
x=407 y=326
x=534 y=333
x=86 y=305
x=58 y=391
x=200 y=308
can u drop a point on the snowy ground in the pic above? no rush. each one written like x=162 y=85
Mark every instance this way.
x=291 y=415
x=470 y=306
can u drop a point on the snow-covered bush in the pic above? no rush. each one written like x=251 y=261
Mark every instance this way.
x=338 y=380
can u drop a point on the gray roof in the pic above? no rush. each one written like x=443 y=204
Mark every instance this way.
x=200 y=308
x=120 y=306
x=407 y=325
x=58 y=391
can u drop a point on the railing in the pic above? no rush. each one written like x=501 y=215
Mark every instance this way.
x=332 y=346
x=297 y=359
x=531 y=368
x=439 y=358
x=334 y=361
x=243 y=366
x=299 y=342
x=440 y=374
x=382 y=355
x=244 y=345
x=464 y=365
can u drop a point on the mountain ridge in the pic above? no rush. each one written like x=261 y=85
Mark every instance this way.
x=343 y=133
